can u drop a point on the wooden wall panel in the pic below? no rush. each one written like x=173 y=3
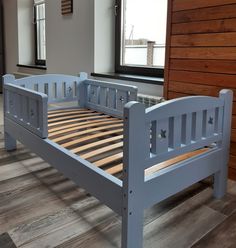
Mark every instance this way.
x=201 y=53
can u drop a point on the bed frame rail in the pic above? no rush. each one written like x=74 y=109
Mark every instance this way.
x=109 y=98
x=58 y=87
x=26 y=107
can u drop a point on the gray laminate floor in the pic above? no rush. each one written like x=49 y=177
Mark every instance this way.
x=40 y=208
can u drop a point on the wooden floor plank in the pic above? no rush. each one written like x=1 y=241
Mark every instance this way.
x=222 y=236
x=96 y=144
x=88 y=131
x=83 y=126
x=94 y=136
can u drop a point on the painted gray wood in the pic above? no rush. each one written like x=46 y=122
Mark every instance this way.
x=176 y=127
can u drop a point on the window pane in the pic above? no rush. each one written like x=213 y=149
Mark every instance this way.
x=144 y=32
x=41 y=34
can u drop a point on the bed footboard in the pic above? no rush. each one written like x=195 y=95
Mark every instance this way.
x=165 y=131
x=26 y=107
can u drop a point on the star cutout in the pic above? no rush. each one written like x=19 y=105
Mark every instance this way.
x=210 y=120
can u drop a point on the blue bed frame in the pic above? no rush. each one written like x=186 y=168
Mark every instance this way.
x=151 y=136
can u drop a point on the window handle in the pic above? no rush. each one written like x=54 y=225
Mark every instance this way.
x=116 y=9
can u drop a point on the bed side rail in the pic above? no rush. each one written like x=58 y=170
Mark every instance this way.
x=109 y=98
x=58 y=87
x=26 y=107
x=178 y=126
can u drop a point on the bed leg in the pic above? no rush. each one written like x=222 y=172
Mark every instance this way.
x=132 y=230
x=10 y=142
x=220 y=183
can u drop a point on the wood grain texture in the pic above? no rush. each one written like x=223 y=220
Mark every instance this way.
x=179 y=5
x=202 y=51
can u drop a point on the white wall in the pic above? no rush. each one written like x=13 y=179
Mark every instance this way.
x=104 y=39
x=25 y=32
x=70 y=39
x=11 y=34
x=83 y=41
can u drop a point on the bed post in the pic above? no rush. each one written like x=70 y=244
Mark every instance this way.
x=220 y=178
x=133 y=175
x=10 y=142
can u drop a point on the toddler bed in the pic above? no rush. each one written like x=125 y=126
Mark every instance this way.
x=128 y=157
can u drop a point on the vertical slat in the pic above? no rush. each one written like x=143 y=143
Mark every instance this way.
x=220 y=120
x=177 y=132
x=210 y=122
x=25 y=108
x=58 y=90
x=112 y=98
x=198 y=126
x=41 y=87
x=121 y=99
x=186 y=131
x=162 y=132
x=103 y=96
x=33 y=113
x=93 y=94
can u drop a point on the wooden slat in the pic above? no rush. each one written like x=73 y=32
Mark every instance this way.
x=94 y=136
x=77 y=120
x=70 y=113
x=211 y=13
x=196 y=89
x=102 y=150
x=91 y=130
x=85 y=125
x=97 y=143
x=115 y=169
x=203 y=65
x=216 y=79
x=172 y=161
x=68 y=117
x=224 y=53
x=82 y=123
x=108 y=160
x=64 y=110
x=204 y=40
x=212 y=26
x=179 y=5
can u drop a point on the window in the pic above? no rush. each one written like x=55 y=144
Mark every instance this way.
x=40 y=34
x=140 y=37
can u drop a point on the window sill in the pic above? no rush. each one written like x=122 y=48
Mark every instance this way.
x=127 y=77
x=40 y=67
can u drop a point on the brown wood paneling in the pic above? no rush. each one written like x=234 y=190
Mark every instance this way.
x=202 y=14
x=206 y=40
x=215 y=79
x=212 y=26
x=225 y=53
x=202 y=53
x=193 y=4
x=204 y=65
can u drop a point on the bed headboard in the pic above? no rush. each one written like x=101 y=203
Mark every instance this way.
x=177 y=126
x=57 y=87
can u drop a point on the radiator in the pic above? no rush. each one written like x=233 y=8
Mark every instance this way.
x=149 y=101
